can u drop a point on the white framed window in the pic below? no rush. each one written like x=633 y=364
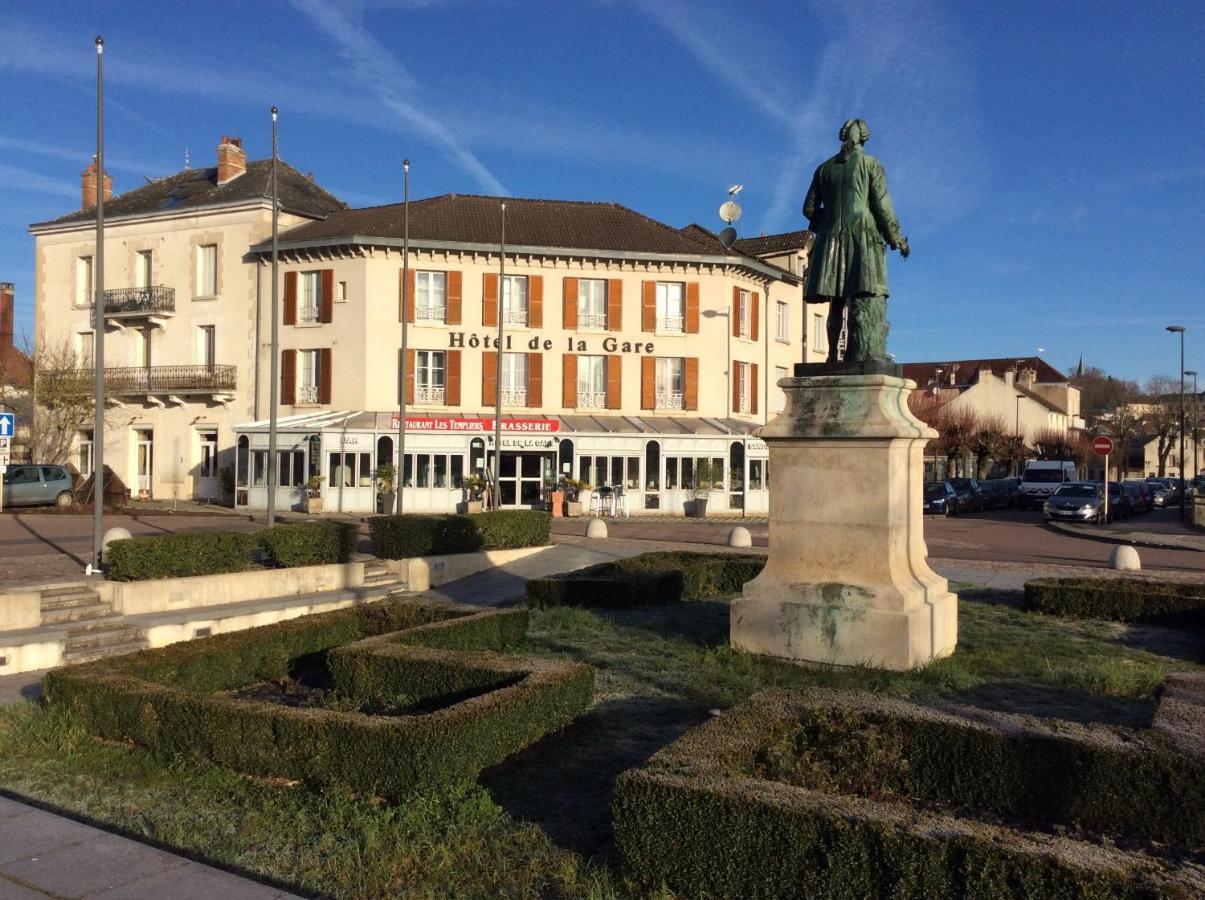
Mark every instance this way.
x=84 y=349
x=144 y=269
x=430 y=297
x=591 y=303
x=744 y=311
x=83 y=454
x=308 y=294
x=670 y=381
x=514 y=379
x=514 y=300
x=744 y=387
x=429 y=372
x=819 y=335
x=782 y=322
x=780 y=398
x=142 y=347
x=671 y=306
x=340 y=291
x=307 y=376
x=592 y=382
x=83 y=281
x=207 y=270
x=207 y=345
x=209 y=454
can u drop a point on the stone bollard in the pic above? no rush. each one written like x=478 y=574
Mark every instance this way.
x=740 y=537
x=1125 y=559
x=597 y=528
x=113 y=534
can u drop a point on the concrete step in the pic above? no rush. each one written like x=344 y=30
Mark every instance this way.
x=87 y=654
x=378 y=580
x=81 y=612
x=60 y=599
x=94 y=627
x=105 y=637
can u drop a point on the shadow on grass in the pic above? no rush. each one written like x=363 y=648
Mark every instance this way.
x=563 y=784
x=994 y=596
x=703 y=623
x=1071 y=704
x=1165 y=640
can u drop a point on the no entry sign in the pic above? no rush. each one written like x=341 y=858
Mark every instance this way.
x=1102 y=446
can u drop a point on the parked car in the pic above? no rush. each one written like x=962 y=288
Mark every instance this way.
x=1042 y=478
x=37 y=486
x=999 y=493
x=1162 y=493
x=970 y=495
x=940 y=498
x=1076 y=501
x=1120 y=504
x=1139 y=494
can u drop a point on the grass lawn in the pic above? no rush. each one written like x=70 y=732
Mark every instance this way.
x=539 y=825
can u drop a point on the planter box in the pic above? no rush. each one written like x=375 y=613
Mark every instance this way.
x=313 y=504
x=697 y=508
x=573 y=507
x=558 y=504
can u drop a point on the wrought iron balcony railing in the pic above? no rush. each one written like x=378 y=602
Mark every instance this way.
x=671 y=323
x=429 y=395
x=669 y=400
x=133 y=380
x=514 y=397
x=144 y=301
x=431 y=313
x=591 y=320
x=592 y=399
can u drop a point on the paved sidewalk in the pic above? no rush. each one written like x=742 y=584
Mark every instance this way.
x=1164 y=535
x=46 y=855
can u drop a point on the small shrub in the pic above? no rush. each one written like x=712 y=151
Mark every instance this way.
x=1118 y=599
x=402 y=537
x=307 y=544
x=178 y=555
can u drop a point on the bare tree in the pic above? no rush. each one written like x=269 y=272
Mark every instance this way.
x=956 y=436
x=1124 y=423
x=988 y=443
x=62 y=402
x=1162 y=418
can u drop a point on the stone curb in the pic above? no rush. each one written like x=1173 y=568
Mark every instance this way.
x=1105 y=537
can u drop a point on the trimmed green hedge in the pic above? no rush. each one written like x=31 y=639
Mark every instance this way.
x=402 y=537
x=307 y=544
x=178 y=555
x=488 y=706
x=810 y=794
x=1118 y=599
x=651 y=578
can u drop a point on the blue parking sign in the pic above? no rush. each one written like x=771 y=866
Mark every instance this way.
x=8 y=424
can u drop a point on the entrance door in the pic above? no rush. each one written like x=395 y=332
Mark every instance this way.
x=206 y=486
x=523 y=476
x=144 y=463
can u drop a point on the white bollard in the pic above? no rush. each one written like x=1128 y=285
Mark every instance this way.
x=113 y=534
x=596 y=528
x=1125 y=558
x=740 y=537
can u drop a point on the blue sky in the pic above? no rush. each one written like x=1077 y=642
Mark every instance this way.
x=1045 y=158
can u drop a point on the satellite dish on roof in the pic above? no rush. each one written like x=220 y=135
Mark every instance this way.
x=727 y=236
x=730 y=211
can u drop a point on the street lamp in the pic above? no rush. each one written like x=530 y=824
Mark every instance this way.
x=399 y=476
x=1180 y=329
x=1196 y=423
x=98 y=311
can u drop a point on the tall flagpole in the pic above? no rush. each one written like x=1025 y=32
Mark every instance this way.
x=498 y=376
x=274 y=362
x=399 y=483
x=98 y=311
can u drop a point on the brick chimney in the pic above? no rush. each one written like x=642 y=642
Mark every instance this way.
x=88 y=185
x=1027 y=377
x=232 y=160
x=6 y=317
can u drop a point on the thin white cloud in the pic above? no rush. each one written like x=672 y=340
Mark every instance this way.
x=377 y=69
x=15 y=178
x=112 y=163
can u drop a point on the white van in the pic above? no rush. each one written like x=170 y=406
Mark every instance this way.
x=1042 y=478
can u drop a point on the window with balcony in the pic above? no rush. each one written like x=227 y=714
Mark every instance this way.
x=144 y=269
x=744 y=312
x=84 y=349
x=591 y=303
x=514 y=300
x=782 y=322
x=207 y=345
x=83 y=281
x=819 y=336
x=671 y=306
x=309 y=293
x=429 y=377
x=743 y=396
x=592 y=382
x=309 y=364
x=514 y=379
x=207 y=270
x=430 y=297
x=670 y=385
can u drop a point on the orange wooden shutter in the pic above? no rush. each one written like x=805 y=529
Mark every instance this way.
x=648 y=382
x=753 y=386
x=754 y=315
x=535 y=301
x=614 y=382
x=410 y=360
x=569 y=304
x=569 y=380
x=489 y=377
x=326 y=303
x=739 y=370
x=648 y=306
x=489 y=299
x=454 y=281
x=405 y=295
x=288 y=377
x=690 y=385
x=535 y=379
x=614 y=304
x=692 y=307
x=290 y=310
x=324 y=375
x=737 y=313
x=452 y=378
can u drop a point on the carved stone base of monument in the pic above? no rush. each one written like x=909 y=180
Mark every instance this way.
x=847 y=580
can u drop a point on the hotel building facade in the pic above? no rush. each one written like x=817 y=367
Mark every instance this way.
x=634 y=355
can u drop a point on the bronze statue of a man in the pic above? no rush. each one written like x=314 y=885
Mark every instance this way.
x=850 y=212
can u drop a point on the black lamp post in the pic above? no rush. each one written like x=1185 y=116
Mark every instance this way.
x=98 y=312
x=1196 y=423
x=1180 y=329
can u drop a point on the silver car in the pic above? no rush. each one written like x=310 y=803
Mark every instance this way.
x=1076 y=501
x=38 y=486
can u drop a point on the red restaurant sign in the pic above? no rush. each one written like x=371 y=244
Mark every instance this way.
x=458 y=423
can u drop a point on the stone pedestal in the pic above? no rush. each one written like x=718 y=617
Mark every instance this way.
x=847 y=580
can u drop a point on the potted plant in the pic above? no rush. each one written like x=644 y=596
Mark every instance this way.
x=313 y=494
x=386 y=473
x=574 y=491
x=700 y=490
x=474 y=486
x=556 y=496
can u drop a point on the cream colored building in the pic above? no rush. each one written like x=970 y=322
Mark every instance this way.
x=181 y=302
x=631 y=352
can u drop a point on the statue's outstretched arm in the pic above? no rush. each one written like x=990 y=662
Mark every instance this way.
x=881 y=208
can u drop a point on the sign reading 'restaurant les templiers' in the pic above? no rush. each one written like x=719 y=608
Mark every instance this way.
x=572 y=345
x=465 y=423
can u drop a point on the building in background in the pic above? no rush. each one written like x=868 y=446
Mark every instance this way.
x=16 y=377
